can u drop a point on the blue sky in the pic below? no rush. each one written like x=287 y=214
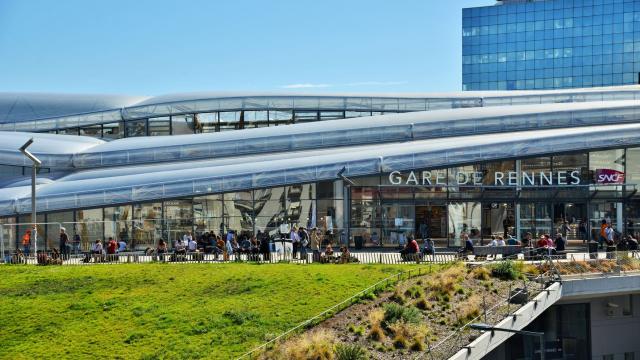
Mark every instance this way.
x=146 y=47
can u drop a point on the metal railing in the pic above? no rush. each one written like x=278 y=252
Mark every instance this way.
x=87 y=258
x=323 y=315
x=531 y=287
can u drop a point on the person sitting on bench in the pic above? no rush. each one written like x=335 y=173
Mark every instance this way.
x=410 y=250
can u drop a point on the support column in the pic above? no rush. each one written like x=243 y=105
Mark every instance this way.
x=517 y=203
x=620 y=218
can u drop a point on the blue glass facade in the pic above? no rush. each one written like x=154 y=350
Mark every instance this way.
x=551 y=44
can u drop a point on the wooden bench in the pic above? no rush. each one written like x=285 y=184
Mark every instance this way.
x=485 y=251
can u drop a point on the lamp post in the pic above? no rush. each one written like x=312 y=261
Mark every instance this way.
x=539 y=335
x=35 y=163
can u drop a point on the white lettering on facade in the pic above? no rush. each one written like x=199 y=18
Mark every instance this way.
x=575 y=175
x=395 y=178
x=562 y=177
x=411 y=179
x=426 y=178
x=544 y=178
x=511 y=178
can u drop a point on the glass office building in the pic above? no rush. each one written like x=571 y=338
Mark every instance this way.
x=436 y=165
x=551 y=44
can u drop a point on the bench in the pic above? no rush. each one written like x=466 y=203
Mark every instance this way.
x=507 y=250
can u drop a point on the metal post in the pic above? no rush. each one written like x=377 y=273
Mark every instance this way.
x=35 y=163
x=33 y=209
x=542 y=349
x=2 y=243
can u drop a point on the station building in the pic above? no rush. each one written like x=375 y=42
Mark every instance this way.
x=376 y=167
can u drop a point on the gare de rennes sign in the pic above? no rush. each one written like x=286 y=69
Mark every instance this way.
x=474 y=178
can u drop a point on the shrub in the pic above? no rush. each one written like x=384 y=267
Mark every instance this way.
x=375 y=318
x=506 y=270
x=414 y=292
x=397 y=297
x=394 y=313
x=481 y=273
x=350 y=352
x=423 y=304
x=468 y=309
x=358 y=330
x=314 y=345
x=417 y=345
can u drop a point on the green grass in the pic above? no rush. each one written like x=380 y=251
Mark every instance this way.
x=164 y=311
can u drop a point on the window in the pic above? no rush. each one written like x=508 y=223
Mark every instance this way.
x=182 y=124
x=136 y=128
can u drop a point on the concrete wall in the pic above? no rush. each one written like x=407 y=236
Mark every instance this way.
x=613 y=332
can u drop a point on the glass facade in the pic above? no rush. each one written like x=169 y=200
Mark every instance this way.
x=551 y=44
x=571 y=193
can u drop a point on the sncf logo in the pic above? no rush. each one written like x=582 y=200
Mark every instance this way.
x=609 y=176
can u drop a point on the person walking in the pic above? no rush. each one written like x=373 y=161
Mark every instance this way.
x=304 y=242
x=26 y=242
x=315 y=244
x=295 y=241
x=64 y=244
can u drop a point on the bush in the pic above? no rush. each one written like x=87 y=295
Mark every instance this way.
x=375 y=318
x=414 y=292
x=314 y=345
x=423 y=304
x=397 y=297
x=505 y=270
x=394 y=313
x=481 y=273
x=350 y=352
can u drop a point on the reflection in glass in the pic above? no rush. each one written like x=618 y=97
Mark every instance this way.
x=90 y=226
x=464 y=217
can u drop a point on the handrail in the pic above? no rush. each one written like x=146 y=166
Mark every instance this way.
x=395 y=277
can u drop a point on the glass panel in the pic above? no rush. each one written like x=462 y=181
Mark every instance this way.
x=398 y=222
x=117 y=223
x=9 y=235
x=179 y=218
x=95 y=131
x=280 y=117
x=112 y=130
x=182 y=124
x=230 y=120
x=536 y=219
x=269 y=209
x=255 y=119
x=305 y=116
x=237 y=211
x=633 y=167
x=147 y=225
x=207 y=122
x=53 y=230
x=159 y=126
x=90 y=227
x=607 y=167
x=136 y=128
x=464 y=217
x=498 y=219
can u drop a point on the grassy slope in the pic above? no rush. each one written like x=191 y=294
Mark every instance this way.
x=164 y=310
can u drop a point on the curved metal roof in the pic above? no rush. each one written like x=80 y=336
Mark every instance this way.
x=160 y=181
x=17 y=107
x=44 y=112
